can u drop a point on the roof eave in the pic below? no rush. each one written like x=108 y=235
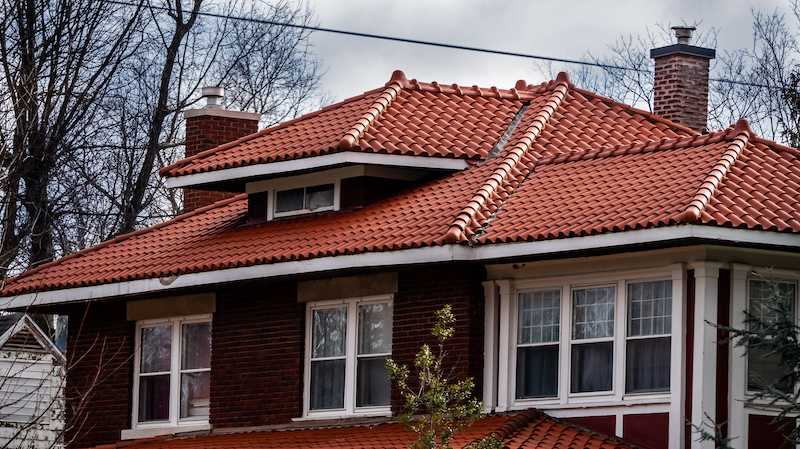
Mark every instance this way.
x=316 y=163
x=432 y=254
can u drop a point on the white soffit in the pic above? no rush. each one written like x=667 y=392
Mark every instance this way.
x=434 y=254
x=285 y=168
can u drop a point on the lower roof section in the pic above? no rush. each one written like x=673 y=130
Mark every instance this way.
x=497 y=253
x=528 y=429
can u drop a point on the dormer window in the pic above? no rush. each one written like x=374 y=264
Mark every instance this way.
x=304 y=199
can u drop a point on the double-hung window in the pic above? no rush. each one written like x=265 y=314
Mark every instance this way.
x=594 y=339
x=348 y=343
x=173 y=371
x=765 y=300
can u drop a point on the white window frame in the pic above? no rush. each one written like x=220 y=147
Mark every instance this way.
x=351 y=357
x=175 y=377
x=273 y=204
x=507 y=363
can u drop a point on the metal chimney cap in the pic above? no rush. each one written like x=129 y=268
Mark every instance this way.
x=684 y=34
x=213 y=96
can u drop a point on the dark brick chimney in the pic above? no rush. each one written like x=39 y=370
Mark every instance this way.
x=681 y=81
x=210 y=127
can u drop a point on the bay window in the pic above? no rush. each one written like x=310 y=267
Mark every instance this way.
x=173 y=371
x=609 y=339
x=348 y=344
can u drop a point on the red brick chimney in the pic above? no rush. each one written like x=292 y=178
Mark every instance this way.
x=681 y=81
x=210 y=127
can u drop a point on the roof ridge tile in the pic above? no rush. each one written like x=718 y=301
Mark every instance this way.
x=501 y=173
x=381 y=104
x=170 y=170
x=740 y=136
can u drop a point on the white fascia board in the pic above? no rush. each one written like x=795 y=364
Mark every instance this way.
x=316 y=163
x=434 y=254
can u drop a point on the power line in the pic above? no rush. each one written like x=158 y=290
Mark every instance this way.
x=437 y=44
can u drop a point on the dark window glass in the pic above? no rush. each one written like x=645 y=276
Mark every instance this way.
x=537 y=371
x=592 y=366
x=319 y=196
x=327 y=384
x=154 y=398
x=647 y=365
x=289 y=200
x=764 y=300
x=373 y=387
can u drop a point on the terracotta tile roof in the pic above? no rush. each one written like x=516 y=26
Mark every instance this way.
x=526 y=430
x=575 y=164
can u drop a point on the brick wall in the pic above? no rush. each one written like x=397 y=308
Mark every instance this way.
x=206 y=131
x=257 y=356
x=422 y=291
x=681 y=89
x=100 y=371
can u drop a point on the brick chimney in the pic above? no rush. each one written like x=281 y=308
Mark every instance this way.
x=210 y=127
x=681 y=81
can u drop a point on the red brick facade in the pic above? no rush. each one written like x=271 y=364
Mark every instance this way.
x=681 y=89
x=208 y=130
x=257 y=356
x=258 y=349
x=99 y=374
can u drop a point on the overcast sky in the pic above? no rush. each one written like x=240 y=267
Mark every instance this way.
x=555 y=28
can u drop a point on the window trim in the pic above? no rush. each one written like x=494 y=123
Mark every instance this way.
x=351 y=357
x=566 y=284
x=175 y=423
x=272 y=203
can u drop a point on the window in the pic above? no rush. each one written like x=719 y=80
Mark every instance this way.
x=537 y=343
x=348 y=344
x=304 y=199
x=596 y=352
x=763 y=297
x=173 y=372
x=648 y=347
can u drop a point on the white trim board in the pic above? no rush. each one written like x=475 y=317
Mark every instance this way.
x=447 y=253
x=316 y=163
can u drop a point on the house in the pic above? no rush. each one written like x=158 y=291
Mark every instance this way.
x=31 y=382
x=584 y=245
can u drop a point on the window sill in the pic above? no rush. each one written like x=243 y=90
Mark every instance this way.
x=345 y=415
x=150 y=432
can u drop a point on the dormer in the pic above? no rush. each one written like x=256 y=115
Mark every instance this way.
x=355 y=152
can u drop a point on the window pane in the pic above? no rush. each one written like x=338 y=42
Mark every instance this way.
x=329 y=334
x=537 y=371
x=327 y=384
x=195 y=394
x=767 y=369
x=154 y=398
x=592 y=367
x=375 y=329
x=156 y=349
x=288 y=200
x=319 y=196
x=196 y=346
x=764 y=297
x=649 y=308
x=373 y=387
x=539 y=317
x=593 y=313
x=647 y=365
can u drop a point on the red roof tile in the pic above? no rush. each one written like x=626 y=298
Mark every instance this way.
x=527 y=430
x=576 y=164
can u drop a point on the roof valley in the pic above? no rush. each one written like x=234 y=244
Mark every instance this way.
x=509 y=166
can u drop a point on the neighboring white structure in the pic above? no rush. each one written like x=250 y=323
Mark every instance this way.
x=31 y=386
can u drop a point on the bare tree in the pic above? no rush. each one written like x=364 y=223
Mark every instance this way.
x=91 y=97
